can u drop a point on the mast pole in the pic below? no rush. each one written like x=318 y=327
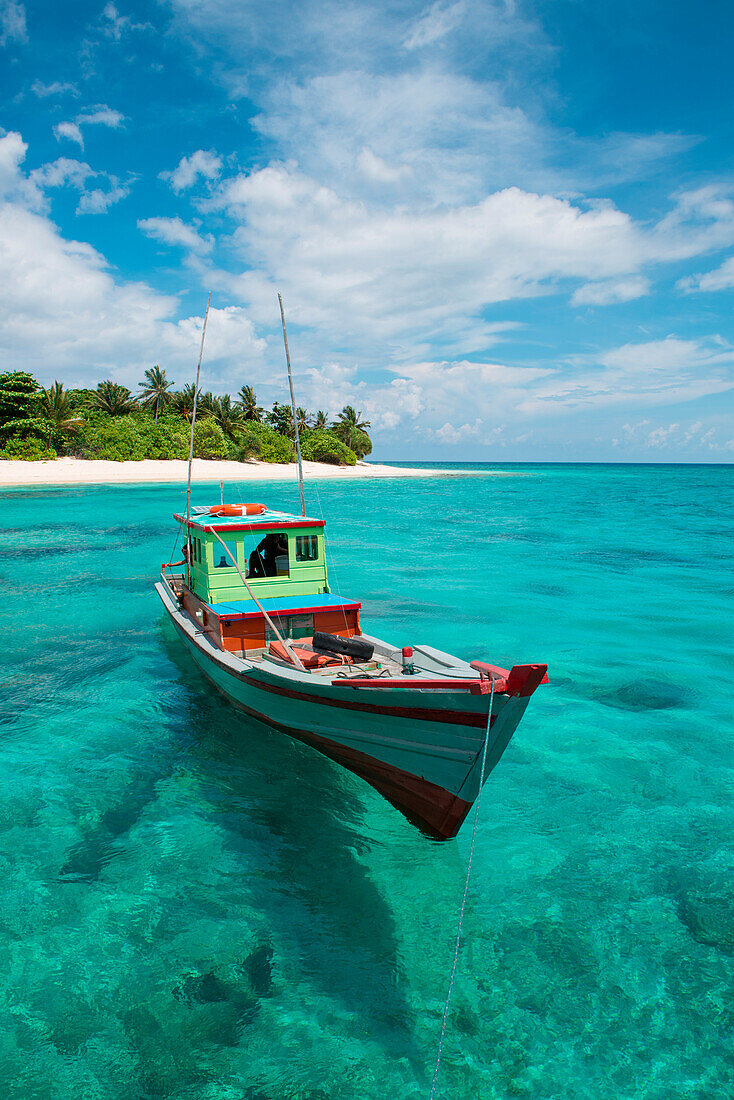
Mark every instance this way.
x=293 y=406
x=191 y=441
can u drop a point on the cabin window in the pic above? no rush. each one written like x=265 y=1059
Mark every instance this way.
x=222 y=559
x=270 y=557
x=194 y=549
x=307 y=547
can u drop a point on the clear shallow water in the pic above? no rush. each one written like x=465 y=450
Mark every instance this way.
x=194 y=907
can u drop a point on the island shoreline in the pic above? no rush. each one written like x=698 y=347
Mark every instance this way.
x=80 y=471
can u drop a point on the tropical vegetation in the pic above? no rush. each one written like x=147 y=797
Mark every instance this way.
x=111 y=422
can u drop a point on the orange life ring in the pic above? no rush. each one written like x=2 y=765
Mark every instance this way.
x=238 y=510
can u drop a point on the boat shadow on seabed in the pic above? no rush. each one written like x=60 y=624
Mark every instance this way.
x=291 y=811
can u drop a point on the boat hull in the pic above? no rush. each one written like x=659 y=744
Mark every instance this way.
x=421 y=749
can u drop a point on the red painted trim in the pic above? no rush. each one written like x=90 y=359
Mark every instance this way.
x=489 y=670
x=476 y=687
x=452 y=717
x=286 y=610
x=524 y=679
x=433 y=809
x=251 y=526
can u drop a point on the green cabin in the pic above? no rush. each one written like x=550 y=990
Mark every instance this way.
x=293 y=564
x=283 y=558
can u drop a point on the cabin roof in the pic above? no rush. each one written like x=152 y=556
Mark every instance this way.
x=270 y=520
x=280 y=605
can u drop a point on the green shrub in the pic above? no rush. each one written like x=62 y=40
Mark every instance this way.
x=116 y=439
x=360 y=443
x=28 y=449
x=21 y=411
x=323 y=446
x=211 y=442
x=258 y=440
x=130 y=438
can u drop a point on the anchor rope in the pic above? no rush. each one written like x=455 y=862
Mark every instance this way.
x=463 y=900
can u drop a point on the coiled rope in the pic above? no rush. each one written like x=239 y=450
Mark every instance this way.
x=463 y=900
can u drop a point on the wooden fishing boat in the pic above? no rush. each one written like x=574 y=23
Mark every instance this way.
x=254 y=608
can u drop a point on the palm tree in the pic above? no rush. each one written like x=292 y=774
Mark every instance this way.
x=320 y=420
x=58 y=407
x=113 y=398
x=352 y=430
x=183 y=401
x=302 y=419
x=247 y=401
x=280 y=418
x=229 y=417
x=155 y=390
x=207 y=403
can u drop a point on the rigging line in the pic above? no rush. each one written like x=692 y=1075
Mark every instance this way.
x=293 y=406
x=187 y=539
x=176 y=538
x=332 y=567
x=463 y=900
x=193 y=415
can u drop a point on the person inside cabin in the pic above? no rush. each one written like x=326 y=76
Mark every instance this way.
x=262 y=561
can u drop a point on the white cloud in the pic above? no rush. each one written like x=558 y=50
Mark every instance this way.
x=676 y=437
x=12 y=22
x=63 y=171
x=99 y=199
x=439 y=125
x=66 y=172
x=670 y=354
x=43 y=91
x=429 y=400
x=101 y=116
x=378 y=170
x=204 y=163
x=416 y=280
x=69 y=130
x=656 y=372
x=67 y=316
x=175 y=232
x=611 y=292
x=434 y=24
x=448 y=433
x=115 y=25
x=13 y=184
x=722 y=278
x=94 y=116
x=701 y=220
x=408 y=275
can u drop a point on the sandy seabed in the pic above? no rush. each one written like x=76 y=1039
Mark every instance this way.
x=81 y=471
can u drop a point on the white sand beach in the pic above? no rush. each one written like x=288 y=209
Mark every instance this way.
x=80 y=471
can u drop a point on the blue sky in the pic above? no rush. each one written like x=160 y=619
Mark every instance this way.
x=504 y=231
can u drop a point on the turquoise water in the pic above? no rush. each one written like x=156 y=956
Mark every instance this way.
x=194 y=907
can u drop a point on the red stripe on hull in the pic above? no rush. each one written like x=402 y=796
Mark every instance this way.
x=453 y=717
